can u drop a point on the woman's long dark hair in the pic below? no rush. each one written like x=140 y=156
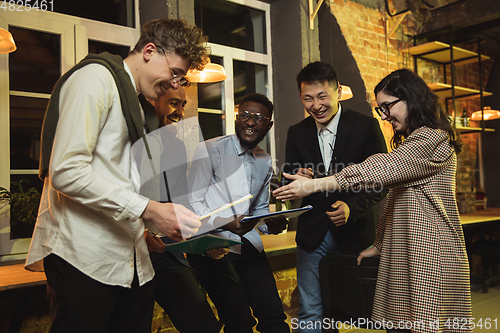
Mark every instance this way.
x=424 y=107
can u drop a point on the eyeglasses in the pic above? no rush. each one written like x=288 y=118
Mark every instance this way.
x=257 y=117
x=184 y=81
x=176 y=78
x=384 y=108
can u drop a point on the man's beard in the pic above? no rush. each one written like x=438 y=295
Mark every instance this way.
x=250 y=144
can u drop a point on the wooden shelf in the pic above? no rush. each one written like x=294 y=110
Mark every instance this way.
x=466 y=130
x=440 y=52
x=279 y=244
x=15 y=276
x=481 y=216
x=444 y=90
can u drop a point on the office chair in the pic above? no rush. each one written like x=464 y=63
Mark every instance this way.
x=347 y=290
x=486 y=244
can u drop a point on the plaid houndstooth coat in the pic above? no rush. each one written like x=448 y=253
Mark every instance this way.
x=423 y=277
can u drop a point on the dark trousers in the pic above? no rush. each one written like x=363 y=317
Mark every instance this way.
x=79 y=303
x=180 y=295
x=236 y=282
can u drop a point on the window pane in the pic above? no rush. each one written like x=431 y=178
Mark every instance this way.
x=26 y=119
x=248 y=78
x=96 y=47
x=36 y=64
x=264 y=144
x=210 y=94
x=231 y=24
x=211 y=125
x=119 y=12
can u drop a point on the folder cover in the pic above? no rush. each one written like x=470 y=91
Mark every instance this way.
x=286 y=213
x=200 y=244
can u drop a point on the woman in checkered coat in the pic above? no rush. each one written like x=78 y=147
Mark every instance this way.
x=423 y=280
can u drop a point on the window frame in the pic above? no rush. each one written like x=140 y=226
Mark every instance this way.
x=228 y=55
x=75 y=33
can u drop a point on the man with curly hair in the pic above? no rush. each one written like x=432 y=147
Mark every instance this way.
x=90 y=230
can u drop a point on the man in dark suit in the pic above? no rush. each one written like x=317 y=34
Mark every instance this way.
x=323 y=144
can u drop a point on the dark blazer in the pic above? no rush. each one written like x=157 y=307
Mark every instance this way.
x=358 y=137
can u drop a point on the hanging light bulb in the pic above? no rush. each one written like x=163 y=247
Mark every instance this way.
x=346 y=93
x=210 y=73
x=7 y=44
x=489 y=114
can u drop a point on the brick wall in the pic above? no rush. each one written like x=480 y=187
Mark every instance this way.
x=285 y=273
x=365 y=30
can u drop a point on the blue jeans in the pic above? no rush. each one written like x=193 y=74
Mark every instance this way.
x=310 y=305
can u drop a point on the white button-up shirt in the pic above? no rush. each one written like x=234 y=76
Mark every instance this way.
x=89 y=212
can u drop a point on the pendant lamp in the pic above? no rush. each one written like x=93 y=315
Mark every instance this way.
x=346 y=93
x=7 y=44
x=489 y=114
x=211 y=73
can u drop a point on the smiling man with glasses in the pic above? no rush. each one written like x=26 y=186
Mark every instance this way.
x=245 y=116
x=176 y=77
x=90 y=229
x=177 y=290
x=242 y=279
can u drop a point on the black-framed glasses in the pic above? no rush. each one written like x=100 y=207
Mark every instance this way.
x=185 y=82
x=245 y=116
x=385 y=107
x=176 y=78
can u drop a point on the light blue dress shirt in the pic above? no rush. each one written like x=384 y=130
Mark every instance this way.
x=221 y=172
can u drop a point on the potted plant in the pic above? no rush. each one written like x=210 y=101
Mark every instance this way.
x=23 y=209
